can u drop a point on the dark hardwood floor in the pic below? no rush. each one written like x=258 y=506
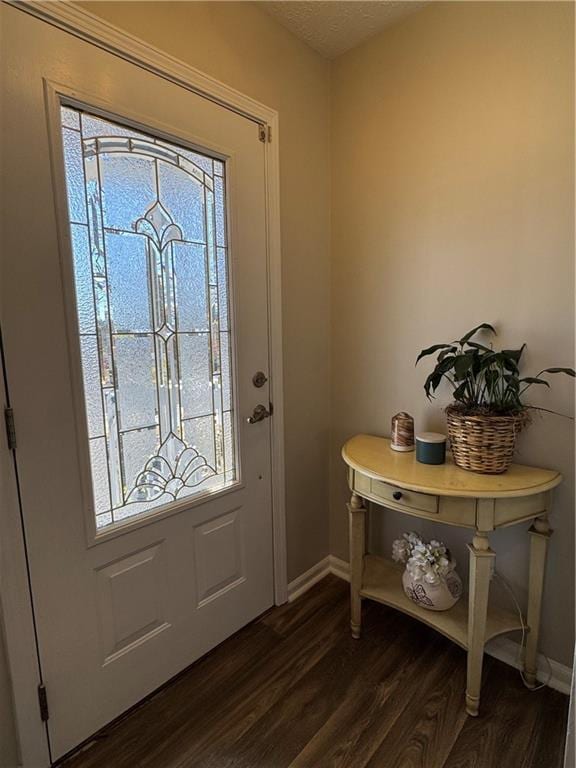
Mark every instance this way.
x=294 y=690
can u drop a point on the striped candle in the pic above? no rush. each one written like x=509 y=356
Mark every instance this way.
x=402 y=432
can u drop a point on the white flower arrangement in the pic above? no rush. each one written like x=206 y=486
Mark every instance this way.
x=430 y=562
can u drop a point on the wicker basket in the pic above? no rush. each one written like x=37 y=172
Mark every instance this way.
x=483 y=444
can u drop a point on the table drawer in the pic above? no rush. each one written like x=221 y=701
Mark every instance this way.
x=398 y=497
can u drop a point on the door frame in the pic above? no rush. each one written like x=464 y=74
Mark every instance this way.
x=15 y=596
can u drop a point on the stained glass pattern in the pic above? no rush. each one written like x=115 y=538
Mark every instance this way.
x=148 y=233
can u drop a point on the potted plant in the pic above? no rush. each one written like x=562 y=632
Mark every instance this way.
x=488 y=410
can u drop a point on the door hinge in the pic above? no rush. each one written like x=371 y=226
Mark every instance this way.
x=43 y=702
x=10 y=429
x=264 y=132
x=270 y=408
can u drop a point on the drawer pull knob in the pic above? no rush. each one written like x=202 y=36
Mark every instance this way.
x=397 y=495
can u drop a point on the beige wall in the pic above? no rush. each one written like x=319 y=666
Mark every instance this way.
x=242 y=46
x=453 y=163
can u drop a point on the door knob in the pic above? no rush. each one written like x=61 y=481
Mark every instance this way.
x=260 y=413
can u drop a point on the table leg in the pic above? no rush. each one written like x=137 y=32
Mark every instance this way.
x=481 y=565
x=357 y=518
x=540 y=533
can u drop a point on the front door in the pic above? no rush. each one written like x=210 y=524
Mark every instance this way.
x=134 y=317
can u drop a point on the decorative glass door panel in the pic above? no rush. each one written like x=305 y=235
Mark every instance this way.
x=149 y=242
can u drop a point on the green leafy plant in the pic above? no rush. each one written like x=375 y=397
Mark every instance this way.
x=484 y=380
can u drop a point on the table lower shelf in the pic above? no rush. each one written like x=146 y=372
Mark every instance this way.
x=382 y=581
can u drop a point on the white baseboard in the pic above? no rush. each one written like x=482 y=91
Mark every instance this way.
x=550 y=672
x=339 y=568
x=307 y=579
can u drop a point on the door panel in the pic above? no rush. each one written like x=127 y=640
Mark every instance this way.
x=219 y=554
x=123 y=606
x=131 y=601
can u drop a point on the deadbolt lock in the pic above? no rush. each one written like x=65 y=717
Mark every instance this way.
x=259 y=379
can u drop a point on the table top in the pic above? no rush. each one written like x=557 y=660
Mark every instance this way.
x=372 y=456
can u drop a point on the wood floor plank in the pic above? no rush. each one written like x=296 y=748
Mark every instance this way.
x=288 y=617
x=245 y=705
x=363 y=719
x=290 y=724
x=503 y=733
x=546 y=747
x=284 y=686
x=233 y=720
x=432 y=717
x=293 y=690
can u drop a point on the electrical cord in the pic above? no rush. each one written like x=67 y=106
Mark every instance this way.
x=522 y=649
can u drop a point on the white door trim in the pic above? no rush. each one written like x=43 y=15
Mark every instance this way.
x=16 y=617
x=84 y=25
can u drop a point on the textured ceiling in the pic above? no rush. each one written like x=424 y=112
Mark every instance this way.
x=332 y=27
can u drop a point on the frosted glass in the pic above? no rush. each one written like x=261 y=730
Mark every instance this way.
x=224 y=316
x=92 y=391
x=202 y=161
x=112 y=445
x=103 y=520
x=199 y=433
x=128 y=282
x=210 y=224
x=218 y=433
x=195 y=374
x=137 y=448
x=190 y=276
x=211 y=483
x=103 y=328
x=94 y=215
x=70 y=118
x=94 y=126
x=134 y=364
x=229 y=446
x=220 y=211
x=83 y=278
x=153 y=316
x=225 y=363
x=98 y=463
x=214 y=328
x=135 y=509
x=74 y=175
x=154 y=150
x=110 y=144
x=212 y=270
x=128 y=189
x=183 y=196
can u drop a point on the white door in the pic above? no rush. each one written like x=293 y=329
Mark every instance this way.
x=134 y=317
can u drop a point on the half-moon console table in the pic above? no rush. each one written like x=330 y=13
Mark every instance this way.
x=447 y=494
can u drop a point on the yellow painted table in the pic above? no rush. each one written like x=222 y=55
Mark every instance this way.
x=447 y=494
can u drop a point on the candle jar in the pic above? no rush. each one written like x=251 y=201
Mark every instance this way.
x=431 y=448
